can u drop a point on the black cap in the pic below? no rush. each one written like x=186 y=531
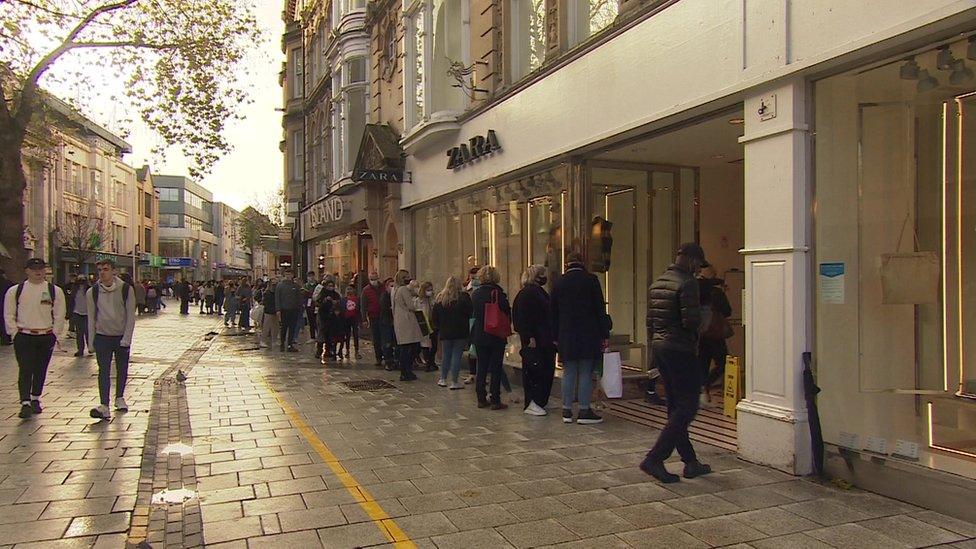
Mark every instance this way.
x=692 y=250
x=35 y=263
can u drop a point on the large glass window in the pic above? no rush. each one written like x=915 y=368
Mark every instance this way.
x=297 y=156
x=436 y=42
x=169 y=220
x=588 y=17
x=528 y=37
x=895 y=218
x=168 y=195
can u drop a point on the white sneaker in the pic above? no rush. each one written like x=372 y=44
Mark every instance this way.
x=120 y=405
x=455 y=386
x=441 y=383
x=534 y=409
x=468 y=379
x=101 y=412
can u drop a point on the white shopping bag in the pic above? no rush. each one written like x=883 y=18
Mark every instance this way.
x=613 y=378
x=257 y=315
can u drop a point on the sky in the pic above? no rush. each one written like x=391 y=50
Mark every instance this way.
x=254 y=167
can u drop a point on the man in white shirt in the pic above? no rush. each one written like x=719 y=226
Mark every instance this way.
x=34 y=315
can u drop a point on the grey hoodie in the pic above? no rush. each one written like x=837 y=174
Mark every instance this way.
x=114 y=317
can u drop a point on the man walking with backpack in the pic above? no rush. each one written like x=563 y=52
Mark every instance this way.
x=112 y=320
x=673 y=321
x=34 y=315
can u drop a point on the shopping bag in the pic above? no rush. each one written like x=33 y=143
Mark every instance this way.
x=425 y=328
x=613 y=378
x=257 y=315
x=910 y=278
x=497 y=322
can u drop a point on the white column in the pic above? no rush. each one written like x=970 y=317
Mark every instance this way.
x=772 y=419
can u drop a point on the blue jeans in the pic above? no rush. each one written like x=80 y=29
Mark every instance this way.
x=452 y=349
x=105 y=348
x=582 y=369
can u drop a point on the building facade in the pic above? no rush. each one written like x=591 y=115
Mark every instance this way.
x=147 y=227
x=233 y=258
x=818 y=151
x=187 y=239
x=83 y=202
x=341 y=154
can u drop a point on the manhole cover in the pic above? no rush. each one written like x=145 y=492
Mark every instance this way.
x=368 y=385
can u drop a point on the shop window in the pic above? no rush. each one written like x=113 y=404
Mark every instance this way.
x=528 y=37
x=896 y=207
x=588 y=17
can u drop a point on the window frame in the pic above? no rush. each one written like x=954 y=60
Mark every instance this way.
x=515 y=24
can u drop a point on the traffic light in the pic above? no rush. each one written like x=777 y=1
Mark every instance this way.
x=321 y=262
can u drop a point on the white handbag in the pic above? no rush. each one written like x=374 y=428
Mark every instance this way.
x=909 y=278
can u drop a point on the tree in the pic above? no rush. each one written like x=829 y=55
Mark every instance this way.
x=84 y=230
x=179 y=60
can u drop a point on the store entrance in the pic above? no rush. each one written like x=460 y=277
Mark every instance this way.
x=644 y=199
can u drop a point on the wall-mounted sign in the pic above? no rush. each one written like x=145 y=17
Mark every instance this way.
x=179 y=261
x=475 y=148
x=327 y=211
x=379 y=176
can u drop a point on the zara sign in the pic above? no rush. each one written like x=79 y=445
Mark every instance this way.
x=327 y=211
x=475 y=148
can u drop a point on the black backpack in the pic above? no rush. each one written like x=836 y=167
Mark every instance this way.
x=125 y=296
x=20 y=290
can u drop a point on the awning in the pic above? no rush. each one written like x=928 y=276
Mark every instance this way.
x=380 y=158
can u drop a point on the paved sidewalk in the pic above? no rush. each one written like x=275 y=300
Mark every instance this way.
x=280 y=450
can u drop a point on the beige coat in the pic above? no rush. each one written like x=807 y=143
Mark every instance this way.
x=405 y=324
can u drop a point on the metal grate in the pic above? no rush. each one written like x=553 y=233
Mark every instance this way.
x=368 y=385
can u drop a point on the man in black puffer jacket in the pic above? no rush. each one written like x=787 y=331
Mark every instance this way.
x=673 y=321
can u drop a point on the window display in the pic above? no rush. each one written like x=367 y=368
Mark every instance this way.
x=896 y=214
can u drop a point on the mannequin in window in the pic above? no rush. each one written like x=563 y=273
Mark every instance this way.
x=601 y=244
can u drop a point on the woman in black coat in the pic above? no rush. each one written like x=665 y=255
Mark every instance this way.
x=581 y=325
x=450 y=316
x=490 y=349
x=530 y=312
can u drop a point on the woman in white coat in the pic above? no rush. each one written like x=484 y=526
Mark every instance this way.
x=405 y=325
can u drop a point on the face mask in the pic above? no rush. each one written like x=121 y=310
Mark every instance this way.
x=429 y=293
x=374 y=282
x=541 y=281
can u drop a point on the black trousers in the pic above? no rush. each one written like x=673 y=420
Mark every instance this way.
x=184 y=306
x=538 y=369
x=33 y=354
x=490 y=359
x=289 y=326
x=430 y=353
x=312 y=321
x=406 y=354
x=108 y=348
x=709 y=351
x=681 y=372
x=81 y=327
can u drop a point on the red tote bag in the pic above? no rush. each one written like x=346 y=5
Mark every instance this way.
x=497 y=322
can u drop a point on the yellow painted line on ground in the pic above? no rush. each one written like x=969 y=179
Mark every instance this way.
x=362 y=496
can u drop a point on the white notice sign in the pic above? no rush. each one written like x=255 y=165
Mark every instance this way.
x=831 y=282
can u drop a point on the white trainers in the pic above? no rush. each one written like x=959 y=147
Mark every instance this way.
x=468 y=379
x=534 y=409
x=101 y=412
x=441 y=383
x=120 y=405
x=455 y=386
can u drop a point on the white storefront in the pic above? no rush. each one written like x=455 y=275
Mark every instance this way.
x=760 y=58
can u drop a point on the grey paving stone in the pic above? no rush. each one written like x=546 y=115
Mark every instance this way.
x=961 y=527
x=595 y=523
x=473 y=518
x=721 y=531
x=704 y=506
x=756 y=497
x=431 y=502
x=528 y=510
x=642 y=493
x=291 y=540
x=37 y=530
x=487 y=494
x=387 y=490
x=304 y=519
x=71 y=508
x=791 y=541
x=539 y=488
x=472 y=539
x=98 y=524
x=854 y=536
x=296 y=486
x=911 y=531
x=265 y=506
x=355 y=512
x=352 y=535
x=241 y=493
x=25 y=512
x=651 y=514
x=775 y=521
x=532 y=534
x=227 y=530
x=826 y=512
x=608 y=541
x=425 y=525
x=662 y=536
x=591 y=499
